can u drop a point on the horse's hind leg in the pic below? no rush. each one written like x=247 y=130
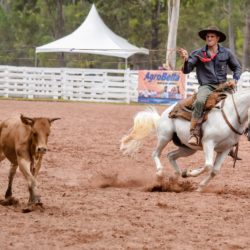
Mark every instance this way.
x=2 y=156
x=161 y=144
x=164 y=135
x=12 y=173
x=174 y=155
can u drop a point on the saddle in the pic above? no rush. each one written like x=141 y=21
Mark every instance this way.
x=184 y=108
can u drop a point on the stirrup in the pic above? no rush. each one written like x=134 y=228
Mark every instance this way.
x=232 y=154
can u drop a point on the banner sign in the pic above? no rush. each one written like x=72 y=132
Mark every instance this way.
x=160 y=86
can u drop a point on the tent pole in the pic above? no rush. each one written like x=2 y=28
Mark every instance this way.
x=126 y=63
x=35 y=60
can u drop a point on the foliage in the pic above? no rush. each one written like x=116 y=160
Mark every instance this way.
x=26 y=24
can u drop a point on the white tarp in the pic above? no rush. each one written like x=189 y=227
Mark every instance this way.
x=93 y=37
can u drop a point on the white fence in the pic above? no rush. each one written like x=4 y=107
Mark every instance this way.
x=244 y=82
x=95 y=85
x=69 y=84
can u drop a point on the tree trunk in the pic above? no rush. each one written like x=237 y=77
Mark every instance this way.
x=246 y=45
x=173 y=18
x=60 y=27
x=231 y=36
x=155 y=33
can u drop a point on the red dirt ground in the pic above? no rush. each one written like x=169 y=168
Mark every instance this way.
x=96 y=198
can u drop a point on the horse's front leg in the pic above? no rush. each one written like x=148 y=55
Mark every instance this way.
x=220 y=157
x=209 y=156
x=174 y=155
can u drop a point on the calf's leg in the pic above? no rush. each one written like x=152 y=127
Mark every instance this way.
x=24 y=166
x=12 y=173
x=37 y=167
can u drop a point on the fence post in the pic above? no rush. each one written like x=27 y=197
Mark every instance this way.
x=244 y=81
x=127 y=84
x=105 y=85
x=64 y=90
x=6 y=82
x=28 y=83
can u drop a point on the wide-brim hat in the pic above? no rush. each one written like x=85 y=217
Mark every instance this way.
x=212 y=29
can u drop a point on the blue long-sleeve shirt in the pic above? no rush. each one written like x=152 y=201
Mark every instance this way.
x=214 y=71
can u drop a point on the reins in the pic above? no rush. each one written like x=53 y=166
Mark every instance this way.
x=231 y=127
x=225 y=117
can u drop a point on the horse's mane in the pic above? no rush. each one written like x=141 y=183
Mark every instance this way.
x=242 y=92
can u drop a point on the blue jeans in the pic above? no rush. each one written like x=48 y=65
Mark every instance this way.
x=203 y=92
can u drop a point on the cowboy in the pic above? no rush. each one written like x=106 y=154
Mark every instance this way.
x=211 y=63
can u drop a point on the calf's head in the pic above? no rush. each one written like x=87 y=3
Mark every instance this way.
x=40 y=130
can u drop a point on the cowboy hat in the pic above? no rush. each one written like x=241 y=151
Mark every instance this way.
x=212 y=29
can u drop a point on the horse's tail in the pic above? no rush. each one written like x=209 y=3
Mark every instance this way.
x=144 y=123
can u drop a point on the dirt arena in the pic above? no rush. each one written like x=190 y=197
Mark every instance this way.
x=96 y=198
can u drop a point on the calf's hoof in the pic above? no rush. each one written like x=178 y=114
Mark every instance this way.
x=35 y=200
x=9 y=201
x=33 y=207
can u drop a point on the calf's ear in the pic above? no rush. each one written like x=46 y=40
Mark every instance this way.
x=26 y=120
x=53 y=119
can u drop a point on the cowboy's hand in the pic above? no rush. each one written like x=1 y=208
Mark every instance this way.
x=231 y=84
x=183 y=53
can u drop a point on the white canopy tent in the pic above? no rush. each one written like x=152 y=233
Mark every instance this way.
x=93 y=37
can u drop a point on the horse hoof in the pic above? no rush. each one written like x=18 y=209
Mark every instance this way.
x=159 y=174
x=184 y=174
x=199 y=189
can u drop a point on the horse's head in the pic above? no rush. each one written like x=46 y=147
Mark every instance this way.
x=247 y=132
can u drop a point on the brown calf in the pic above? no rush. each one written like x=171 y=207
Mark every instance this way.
x=23 y=141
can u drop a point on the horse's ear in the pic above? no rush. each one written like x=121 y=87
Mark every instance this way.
x=53 y=119
x=27 y=120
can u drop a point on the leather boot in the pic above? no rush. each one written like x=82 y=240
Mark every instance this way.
x=194 y=138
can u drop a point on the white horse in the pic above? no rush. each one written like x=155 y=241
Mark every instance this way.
x=217 y=136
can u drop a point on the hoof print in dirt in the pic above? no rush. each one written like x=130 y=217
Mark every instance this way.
x=156 y=188
x=34 y=207
x=11 y=201
x=168 y=185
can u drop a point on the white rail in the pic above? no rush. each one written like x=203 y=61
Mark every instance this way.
x=93 y=85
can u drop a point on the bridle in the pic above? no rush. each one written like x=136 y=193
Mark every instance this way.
x=227 y=121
